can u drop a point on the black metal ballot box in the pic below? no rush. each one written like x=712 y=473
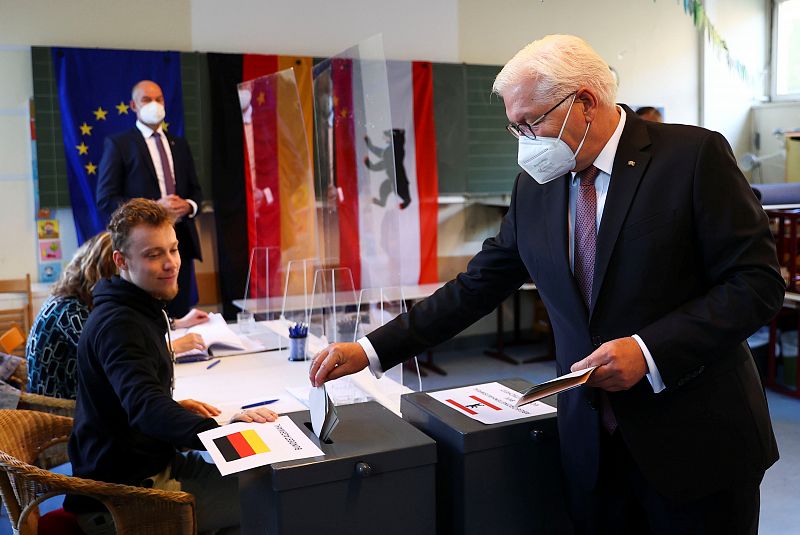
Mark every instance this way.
x=377 y=476
x=499 y=478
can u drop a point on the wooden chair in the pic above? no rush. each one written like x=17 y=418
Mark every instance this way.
x=17 y=316
x=37 y=402
x=19 y=378
x=25 y=435
x=12 y=339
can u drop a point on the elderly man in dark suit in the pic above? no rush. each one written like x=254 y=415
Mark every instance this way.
x=147 y=162
x=655 y=262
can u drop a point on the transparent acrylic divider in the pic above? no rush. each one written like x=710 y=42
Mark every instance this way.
x=282 y=214
x=376 y=307
x=295 y=306
x=256 y=298
x=356 y=175
x=257 y=304
x=333 y=319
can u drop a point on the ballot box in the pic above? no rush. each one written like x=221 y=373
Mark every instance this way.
x=499 y=478
x=377 y=476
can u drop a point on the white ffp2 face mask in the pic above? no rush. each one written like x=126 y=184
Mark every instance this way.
x=547 y=158
x=152 y=113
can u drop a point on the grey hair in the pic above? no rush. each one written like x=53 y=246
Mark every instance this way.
x=560 y=64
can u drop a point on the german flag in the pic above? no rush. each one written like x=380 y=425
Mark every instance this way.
x=240 y=445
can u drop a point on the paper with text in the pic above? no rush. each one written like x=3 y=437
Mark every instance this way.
x=240 y=446
x=489 y=403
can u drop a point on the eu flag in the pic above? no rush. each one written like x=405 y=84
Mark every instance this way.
x=94 y=91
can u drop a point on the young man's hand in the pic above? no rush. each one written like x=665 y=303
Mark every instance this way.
x=199 y=408
x=258 y=415
x=189 y=342
x=194 y=317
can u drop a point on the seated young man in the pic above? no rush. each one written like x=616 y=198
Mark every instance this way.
x=127 y=427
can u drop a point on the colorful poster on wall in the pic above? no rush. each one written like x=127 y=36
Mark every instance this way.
x=49 y=250
x=48 y=229
x=49 y=272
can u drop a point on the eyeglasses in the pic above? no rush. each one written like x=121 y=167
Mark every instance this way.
x=526 y=129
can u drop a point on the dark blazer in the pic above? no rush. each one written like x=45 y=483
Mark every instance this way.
x=685 y=259
x=127 y=171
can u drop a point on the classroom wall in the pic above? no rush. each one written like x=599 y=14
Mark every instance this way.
x=653 y=46
x=411 y=29
x=17 y=228
x=727 y=97
x=81 y=23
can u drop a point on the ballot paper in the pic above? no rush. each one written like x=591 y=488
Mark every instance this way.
x=241 y=446
x=489 y=403
x=555 y=386
x=323 y=413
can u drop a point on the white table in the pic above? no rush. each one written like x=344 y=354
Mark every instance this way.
x=245 y=379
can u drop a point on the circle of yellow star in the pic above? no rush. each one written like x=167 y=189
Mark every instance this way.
x=86 y=130
x=165 y=126
x=91 y=169
x=100 y=114
x=122 y=108
x=83 y=148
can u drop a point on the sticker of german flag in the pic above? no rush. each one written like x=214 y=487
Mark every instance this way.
x=240 y=445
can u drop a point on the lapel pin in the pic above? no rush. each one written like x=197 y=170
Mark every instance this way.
x=631 y=163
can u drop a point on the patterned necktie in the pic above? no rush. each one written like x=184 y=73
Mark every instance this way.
x=169 y=180
x=586 y=233
x=585 y=250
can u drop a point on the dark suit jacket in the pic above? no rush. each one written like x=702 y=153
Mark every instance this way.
x=686 y=260
x=127 y=171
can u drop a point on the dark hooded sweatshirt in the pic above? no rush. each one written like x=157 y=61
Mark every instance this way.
x=127 y=426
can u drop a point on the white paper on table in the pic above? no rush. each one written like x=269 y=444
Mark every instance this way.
x=284 y=440
x=342 y=391
x=489 y=403
x=301 y=393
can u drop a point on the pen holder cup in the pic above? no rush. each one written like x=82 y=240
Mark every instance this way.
x=297 y=348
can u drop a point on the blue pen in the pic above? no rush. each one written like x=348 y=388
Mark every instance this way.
x=259 y=403
x=213 y=364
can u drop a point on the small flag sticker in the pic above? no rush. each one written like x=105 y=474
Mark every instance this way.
x=240 y=445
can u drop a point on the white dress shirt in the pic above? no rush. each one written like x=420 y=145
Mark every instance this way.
x=604 y=163
x=147 y=132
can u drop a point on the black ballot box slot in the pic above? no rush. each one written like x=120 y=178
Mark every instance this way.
x=377 y=476
x=499 y=478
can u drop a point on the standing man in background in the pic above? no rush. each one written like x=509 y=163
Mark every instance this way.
x=649 y=113
x=655 y=262
x=147 y=162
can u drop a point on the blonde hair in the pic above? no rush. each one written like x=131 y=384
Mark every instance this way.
x=560 y=64
x=94 y=260
x=130 y=215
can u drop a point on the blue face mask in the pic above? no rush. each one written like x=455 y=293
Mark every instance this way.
x=547 y=158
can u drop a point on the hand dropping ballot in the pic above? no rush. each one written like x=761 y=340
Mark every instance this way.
x=489 y=403
x=240 y=446
x=323 y=413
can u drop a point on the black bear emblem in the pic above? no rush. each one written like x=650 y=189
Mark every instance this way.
x=398 y=137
